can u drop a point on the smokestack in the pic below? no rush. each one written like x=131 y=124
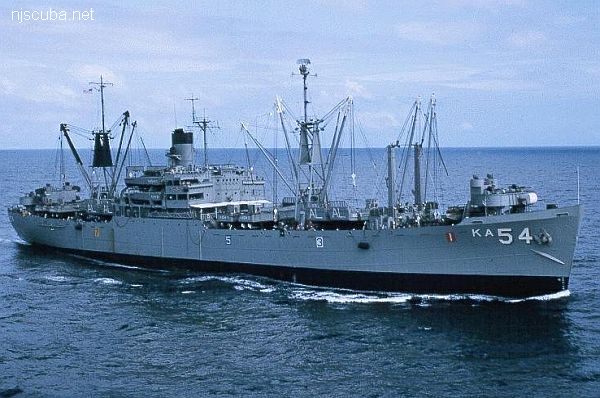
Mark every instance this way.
x=182 y=148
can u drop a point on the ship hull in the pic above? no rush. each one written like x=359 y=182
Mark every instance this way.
x=505 y=255
x=506 y=286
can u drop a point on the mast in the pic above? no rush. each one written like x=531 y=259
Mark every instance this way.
x=304 y=72
x=310 y=144
x=204 y=125
x=276 y=158
x=192 y=99
x=434 y=160
x=391 y=177
x=411 y=144
x=418 y=147
x=305 y=154
x=311 y=170
x=102 y=154
x=101 y=86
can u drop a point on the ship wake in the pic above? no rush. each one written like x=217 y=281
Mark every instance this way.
x=352 y=297
x=238 y=283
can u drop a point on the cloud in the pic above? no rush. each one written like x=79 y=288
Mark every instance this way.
x=439 y=33
x=379 y=119
x=46 y=93
x=357 y=90
x=89 y=73
x=16 y=84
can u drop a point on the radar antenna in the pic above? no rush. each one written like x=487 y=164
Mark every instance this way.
x=204 y=125
x=193 y=99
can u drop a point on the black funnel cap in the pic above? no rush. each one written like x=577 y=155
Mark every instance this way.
x=181 y=137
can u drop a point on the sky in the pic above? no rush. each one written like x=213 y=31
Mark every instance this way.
x=504 y=72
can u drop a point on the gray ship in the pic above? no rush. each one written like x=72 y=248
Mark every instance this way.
x=218 y=218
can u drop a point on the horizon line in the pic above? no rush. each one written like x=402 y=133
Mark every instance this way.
x=364 y=147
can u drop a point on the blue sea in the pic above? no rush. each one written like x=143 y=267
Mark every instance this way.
x=73 y=327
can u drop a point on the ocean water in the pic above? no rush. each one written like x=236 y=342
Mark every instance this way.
x=70 y=326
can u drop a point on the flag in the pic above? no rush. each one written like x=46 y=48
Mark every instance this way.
x=88 y=91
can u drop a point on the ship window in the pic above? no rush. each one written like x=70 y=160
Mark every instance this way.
x=182 y=197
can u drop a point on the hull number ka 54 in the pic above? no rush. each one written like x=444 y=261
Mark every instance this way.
x=506 y=236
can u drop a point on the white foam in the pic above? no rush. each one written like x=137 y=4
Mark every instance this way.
x=348 y=297
x=195 y=279
x=58 y=278
x=136 y=285
x=545 y=297
x=423 y=300
x=247 y=283
x=187 y=292
x=11 y=241
x=107 y=281
x=487 y=298
x=117 y=265
x=239 y=283
x=457 y=297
